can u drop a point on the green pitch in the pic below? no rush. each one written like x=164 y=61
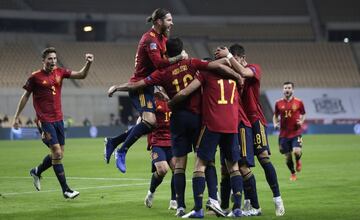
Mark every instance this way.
x=327 y=188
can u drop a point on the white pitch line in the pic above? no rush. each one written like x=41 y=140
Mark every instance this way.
x=83 y=188
x=77 y=178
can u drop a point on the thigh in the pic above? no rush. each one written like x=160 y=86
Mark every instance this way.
x=285 y=145
x=143 y=99
x=296 y=142
x=184 y=127
x=60 y=132
x=246 y=145
x=158 y=154
x=260 y=138
x=50 y=133
x=229 y=144
x=208 y=141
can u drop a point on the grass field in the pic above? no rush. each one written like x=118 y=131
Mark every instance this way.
x=327 y=188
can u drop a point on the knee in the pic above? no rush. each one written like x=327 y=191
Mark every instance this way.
x=149 y=119
x=264 y=160
x=162 y=170
x=244 y=169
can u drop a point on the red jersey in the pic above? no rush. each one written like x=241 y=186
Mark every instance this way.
x=220 y=106
x=251 y=94
x=150 y=55
x=242 y=115
x=161 y=135
x=176 y=77
x=289 y=112
x=46 y=90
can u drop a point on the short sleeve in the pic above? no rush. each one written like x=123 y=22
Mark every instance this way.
x=66 y=73
x=29 y=85
x=256 y=70
x=302 y=108
x=201 y=77
x=277 y=112
x=155 y=78
x=199 y=64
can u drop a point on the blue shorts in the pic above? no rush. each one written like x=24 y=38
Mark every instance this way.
x=143 y=100
x=208 y=142
x=247 y=145
x=261 y=143
x=286 y=145
x=54 y=132
x=43 y=139
x=184 y=128
x=159 y=154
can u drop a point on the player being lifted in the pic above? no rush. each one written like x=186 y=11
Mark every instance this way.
x=46 y=85
x=251 y=102
x=150 y=56
x=292 y=115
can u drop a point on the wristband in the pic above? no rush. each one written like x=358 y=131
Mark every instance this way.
x=229 y=56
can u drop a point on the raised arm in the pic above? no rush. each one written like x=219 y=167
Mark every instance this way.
x=183 y=94
x=238 y=67
x=81 y=74
x=23 y=100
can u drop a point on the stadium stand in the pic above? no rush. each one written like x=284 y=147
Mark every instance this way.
x=18 y=60
x=338 y=11
x=104 y=6
x=248 y=32
x=9 y=4
x=244 y=8
x=308 y=64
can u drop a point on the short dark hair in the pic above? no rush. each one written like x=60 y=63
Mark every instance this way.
x=158 y=13
x=174 y=46
x=48 y=50
x=288 y=82
x=237 y=50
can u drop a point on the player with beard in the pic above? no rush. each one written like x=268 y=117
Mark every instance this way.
x=292 y=116
x=149 y=57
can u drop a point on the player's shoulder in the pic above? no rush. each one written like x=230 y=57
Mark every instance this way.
x=279 y=100
x=36 y=74
x=297 y=99
x=254 y=65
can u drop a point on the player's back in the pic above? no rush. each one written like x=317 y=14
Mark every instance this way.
x=161 y=133
x=220 y=103
x=178 y=76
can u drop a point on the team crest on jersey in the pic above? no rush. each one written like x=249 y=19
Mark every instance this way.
x=154 y=155
x=44 y=82
x=159 y=107
x=153 y=46
x=328 y=105
x=149 y=104
x=294 y=107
